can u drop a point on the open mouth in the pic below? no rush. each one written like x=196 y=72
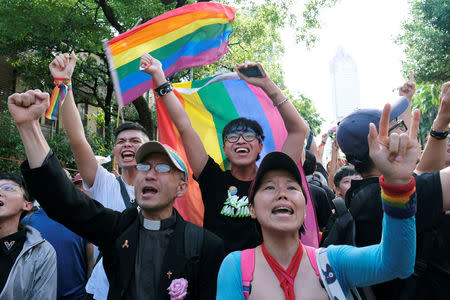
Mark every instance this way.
x=149 y=191
x=242 y=150
x=1 y=203
x=128 y=155
x=282 y=210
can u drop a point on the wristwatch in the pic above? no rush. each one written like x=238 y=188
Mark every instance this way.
x=164 y=89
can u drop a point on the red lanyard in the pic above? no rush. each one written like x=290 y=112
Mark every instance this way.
x=286 y=277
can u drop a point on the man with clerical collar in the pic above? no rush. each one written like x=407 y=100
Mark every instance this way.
x=150 y=253
x=27 y=261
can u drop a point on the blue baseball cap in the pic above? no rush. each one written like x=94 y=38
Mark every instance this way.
x=353 y=130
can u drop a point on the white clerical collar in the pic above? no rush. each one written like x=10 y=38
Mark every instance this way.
x=152 y=225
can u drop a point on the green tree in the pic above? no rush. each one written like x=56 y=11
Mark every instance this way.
x=426 y=99
x=426 y=38
x=308 y=111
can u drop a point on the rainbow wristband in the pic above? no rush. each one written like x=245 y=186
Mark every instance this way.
x=399 y=201
x=62 y=86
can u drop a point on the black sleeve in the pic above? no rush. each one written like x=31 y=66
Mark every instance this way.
x=212 y=255
x=322 y=170
x=429 y=200
x=321 y=205
x=67 y=205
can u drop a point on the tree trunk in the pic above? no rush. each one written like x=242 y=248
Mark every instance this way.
x=145 y=115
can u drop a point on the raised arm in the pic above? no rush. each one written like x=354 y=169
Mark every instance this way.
x=195 y=151
x=62 y=67
x=433 y=157
x=395 y=156
x=407 y=90
x=26 y=110
x=296 y=126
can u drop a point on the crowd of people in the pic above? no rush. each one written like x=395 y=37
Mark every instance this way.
x=104 y=236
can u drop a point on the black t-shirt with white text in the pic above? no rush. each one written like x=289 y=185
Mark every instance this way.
x=226 y=208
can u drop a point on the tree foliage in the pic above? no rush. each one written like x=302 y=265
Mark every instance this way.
x=426 y=99
x=33 y=32
x=308 y=111
x=426 y=37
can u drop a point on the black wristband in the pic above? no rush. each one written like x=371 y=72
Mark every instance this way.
x=164 y=89
x=439 y=135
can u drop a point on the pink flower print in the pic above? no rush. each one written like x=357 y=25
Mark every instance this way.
x=178 y=289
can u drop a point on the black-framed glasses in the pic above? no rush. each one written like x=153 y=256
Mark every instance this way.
x=400 y=126
x=160 y=168
x=9 y=187
x=248 y=136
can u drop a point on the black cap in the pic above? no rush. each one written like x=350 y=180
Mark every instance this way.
x=273 y=161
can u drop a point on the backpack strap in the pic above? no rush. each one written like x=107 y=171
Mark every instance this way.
x=193 y=241
x=328 y=276
x=125 y=197
x=312 y=258
x=247 y=268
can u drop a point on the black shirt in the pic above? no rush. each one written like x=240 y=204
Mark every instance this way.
x=153 y=243
x=226 y=208
x=364 y=201
x=11 y=246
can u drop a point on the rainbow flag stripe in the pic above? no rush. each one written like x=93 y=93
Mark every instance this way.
x=189 y=36
x=210 y=104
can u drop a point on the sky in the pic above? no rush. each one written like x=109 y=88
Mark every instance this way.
x=366 y=31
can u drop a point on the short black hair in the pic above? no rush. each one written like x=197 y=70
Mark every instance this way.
x=130 y=126
x=343 y=172
x=309 y=166
x=243 y=124
x=365 y=166
x=19 y=180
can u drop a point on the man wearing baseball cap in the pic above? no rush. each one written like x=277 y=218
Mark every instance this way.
x=363 y=201
x=151 y=253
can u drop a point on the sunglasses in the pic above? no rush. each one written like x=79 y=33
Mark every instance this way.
x=160 y=168
x=248 y=136
x=400 y=126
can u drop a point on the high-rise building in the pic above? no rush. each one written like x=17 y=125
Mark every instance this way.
x=345 y=84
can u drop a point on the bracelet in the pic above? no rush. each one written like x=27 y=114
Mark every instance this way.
x=163 y=89
x=439 y=135
x=399 y=201
x=281 y=103
x=62 y=86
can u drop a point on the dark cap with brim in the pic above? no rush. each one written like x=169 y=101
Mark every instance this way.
x=273 y=161
x=353 y=130
x=156 y=147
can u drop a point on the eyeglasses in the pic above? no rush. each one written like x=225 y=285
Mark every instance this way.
x=248 y=136
x=160 y=168
x=400 y=126
x=9 y=187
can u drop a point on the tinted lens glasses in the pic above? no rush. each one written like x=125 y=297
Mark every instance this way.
x=9 y=187
x=160 y=168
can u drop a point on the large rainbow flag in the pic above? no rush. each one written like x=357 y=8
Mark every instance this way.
x=189 y=36
x=210 y=104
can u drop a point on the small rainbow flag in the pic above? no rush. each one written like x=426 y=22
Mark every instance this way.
x=210 y=104
x=189 y=36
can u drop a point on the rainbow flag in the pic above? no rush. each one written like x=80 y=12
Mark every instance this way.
x=189 y=36
x=210 y=104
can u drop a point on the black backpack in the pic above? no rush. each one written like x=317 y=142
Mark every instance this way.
x=340 y=229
